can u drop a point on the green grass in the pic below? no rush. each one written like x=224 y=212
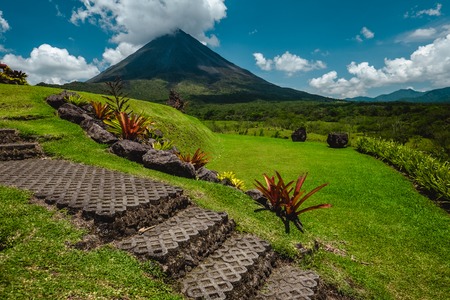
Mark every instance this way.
x=396 y=241
x=39 y=263
x=393 y=242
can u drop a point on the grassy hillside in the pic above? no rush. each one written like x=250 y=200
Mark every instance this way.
x=380 y=240
x=26 y=103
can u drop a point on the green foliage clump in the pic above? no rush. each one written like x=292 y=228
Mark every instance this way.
x=163 y=144
x=75 y=99
x=10 y=76
x=282 y=203
x=230 y=177
x=427 y=171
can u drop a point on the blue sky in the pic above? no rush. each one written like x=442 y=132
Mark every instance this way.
x=327 y=47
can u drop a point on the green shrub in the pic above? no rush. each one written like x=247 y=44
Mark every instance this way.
x=9 y=76
x=427 y=171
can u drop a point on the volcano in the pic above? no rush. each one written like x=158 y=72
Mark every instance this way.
x=179 y=61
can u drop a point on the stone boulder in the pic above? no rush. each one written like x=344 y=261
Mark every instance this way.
x=130 y=150
x=57 y=100
x=299 y=135
x=168 y=163
x=256 y=195
x=207 y=175
x=337 y=139
x=97 y=132
x=72 y=113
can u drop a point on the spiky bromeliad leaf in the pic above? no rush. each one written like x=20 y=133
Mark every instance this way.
x=102 y=110
x=287 y=207
x=129 y=127
x=198 y=159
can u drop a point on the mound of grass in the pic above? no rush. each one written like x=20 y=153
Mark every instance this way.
x=27 y=103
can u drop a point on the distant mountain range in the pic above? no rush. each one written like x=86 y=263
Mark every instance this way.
x=179 y=61
x=409 y=95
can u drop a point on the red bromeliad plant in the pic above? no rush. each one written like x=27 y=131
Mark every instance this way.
x=198 y=159
x=129 y=127
x=285 y=205
x=102 y=110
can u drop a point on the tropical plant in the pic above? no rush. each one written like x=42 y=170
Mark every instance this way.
x=129 y=127
x=426 y=170
x=102 y=110
x=283 y=202
x=75 y=99
x=176 y=101
x=230 y=177
x=198 y=159
x=10 y=76
x=119 y=101
x=163 y=144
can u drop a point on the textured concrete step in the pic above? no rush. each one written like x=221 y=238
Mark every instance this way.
x=8 y=136
x=288 y=282
x=234 y=271
x=19 y=151
x=119 y=203
x=182 y=241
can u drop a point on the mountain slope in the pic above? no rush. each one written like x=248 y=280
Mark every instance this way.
x=399 y=95
x=181 y=62
x=409 y=95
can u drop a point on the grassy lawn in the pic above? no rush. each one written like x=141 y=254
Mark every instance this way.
x=380 y=240
x=389 y=240
x=37 y=261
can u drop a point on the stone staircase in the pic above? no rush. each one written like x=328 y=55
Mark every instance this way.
x=154 y=221
x=12 y=147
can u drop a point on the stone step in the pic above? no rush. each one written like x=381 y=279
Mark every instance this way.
x=8 y=136
x=119 y=204
x=288 y=282
x=19 y=151
x=235 y=271
x=181 y=242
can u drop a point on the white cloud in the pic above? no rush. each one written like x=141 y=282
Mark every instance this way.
x=51 y=65
x=113 y=56
x=432 y=11
x=429 y=63
x=424 y=34
x=288 y=63
x=427 y=12
x=136 y=22
x=4 y=25
x=262 y=62
x=366 y=33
